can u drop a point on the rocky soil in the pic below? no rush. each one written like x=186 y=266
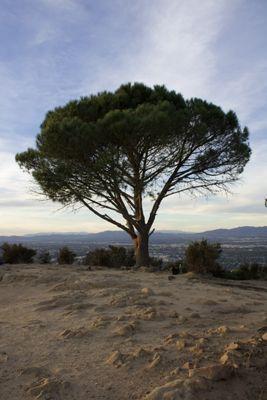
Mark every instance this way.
x=72 y=334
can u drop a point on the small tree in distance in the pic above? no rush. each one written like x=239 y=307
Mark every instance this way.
x=44 y=257
x=17 y=254
x=202 y=257
x=111 y=151
x=65 y=256
x=113 y=257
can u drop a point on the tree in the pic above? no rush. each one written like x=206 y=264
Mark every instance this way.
x=110 y=151
x=44 y=257
x=201 y=257
x=113 y=257
x=65 y=256
x=17 y=253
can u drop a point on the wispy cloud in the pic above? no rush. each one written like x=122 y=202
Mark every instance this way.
x=175 y=46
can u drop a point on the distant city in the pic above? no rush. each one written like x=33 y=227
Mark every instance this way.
x=242 y=244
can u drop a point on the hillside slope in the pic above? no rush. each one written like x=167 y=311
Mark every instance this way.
x=72 y=334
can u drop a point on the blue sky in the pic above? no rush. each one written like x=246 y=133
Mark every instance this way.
x=56 y=50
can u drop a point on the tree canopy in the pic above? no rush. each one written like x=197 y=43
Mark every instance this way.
x=110 y=151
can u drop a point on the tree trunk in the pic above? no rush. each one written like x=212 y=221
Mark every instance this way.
x=141 y=250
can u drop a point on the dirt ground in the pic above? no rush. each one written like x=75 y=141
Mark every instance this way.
x=69 y=333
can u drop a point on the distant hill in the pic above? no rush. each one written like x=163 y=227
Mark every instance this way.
x=161 y=237
x=240 y=232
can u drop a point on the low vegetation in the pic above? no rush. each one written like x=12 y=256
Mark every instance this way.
x=65 y=256
x=17 y=254
x=176 y=267
x=44 y=257
x=113 y=257
x=246 y=271
x=202 y=257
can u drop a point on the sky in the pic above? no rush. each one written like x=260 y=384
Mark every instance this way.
x=53 y=51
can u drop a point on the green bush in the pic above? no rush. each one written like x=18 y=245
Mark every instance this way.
x=201 y=257
x=176 y=267
x=17 y=254
x=97 y=257
x=113 y=257
x=255 y=270
x=65 y=256
x=246 y=271
x=156 y=263
x=44 y=257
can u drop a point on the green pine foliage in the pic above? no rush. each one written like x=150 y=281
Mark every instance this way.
x=113 y=151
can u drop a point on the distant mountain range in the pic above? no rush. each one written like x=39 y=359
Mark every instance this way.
x=160 y=237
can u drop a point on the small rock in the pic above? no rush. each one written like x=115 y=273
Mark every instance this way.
x=225 y=358
x=165 y=391
x=248 y=341
x=125 y=330
x=147 y=291
x=75 y=333
x=155 y=361
x=232 y=346
x=240 y=328
x=180 y=344
x=171 y=338
x=216 y=372
x=3 y=357
x=171 y=277
x=186 y=334
x=264 y=337
x=221 y=330
x=116 y=358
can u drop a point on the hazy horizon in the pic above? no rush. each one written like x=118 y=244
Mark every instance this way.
x=56 y=50
x=117 y=230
